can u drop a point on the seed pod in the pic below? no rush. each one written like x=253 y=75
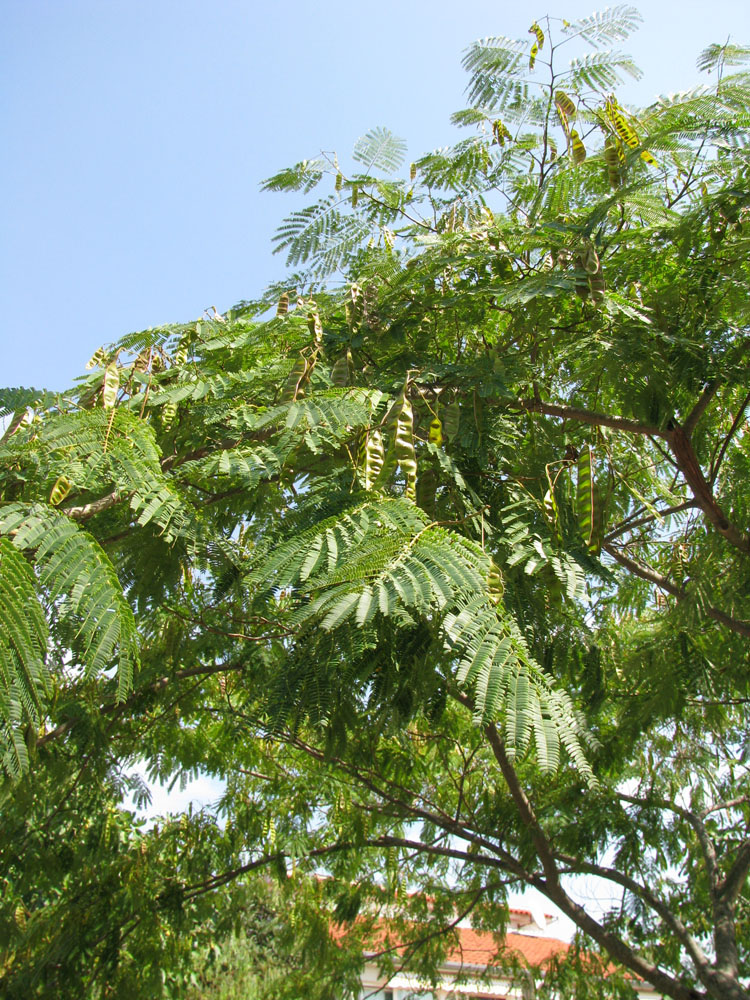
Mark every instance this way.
x=404 y=446
x=579 y=150
x=495 y=583
x=452 y=420
x=436 y=431
x=371 y=457
x=536 y=30
x=111 y=385
x=612 y=159
x=597 y=286
x=314 y=325
x=293 y=387
x=339 y=181
x=500 y=133
x=60 y=490
x=427 y=484
x=413 y=172
x=283 y=307
x=585 y=497
x=566 y=109
x=97 y=359
x=340 y=371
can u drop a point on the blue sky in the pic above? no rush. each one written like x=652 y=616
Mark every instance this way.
x=136 y=135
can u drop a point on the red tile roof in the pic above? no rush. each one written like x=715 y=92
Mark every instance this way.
x=479 y=948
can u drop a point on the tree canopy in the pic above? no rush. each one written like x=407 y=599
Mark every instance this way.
x=437 y=554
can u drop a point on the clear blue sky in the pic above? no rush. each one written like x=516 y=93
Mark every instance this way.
x=136 y=134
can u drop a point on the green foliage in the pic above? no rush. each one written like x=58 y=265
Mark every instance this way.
x=442 y=569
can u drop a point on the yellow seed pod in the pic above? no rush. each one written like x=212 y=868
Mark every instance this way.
x=436 y=431
x=339 y=181
x=578 y=148
x=404 y=446
x=97 y=359
x=537 y=31
x=111 y=385
x=495 y=583
x=413 y=172
x=283 y=307
x=60 y=490
x=371 y=457
x=566 y=109
x=612 y=159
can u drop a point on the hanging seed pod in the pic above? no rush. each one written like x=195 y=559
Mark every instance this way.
x=566 y=109
x=60 y=490
x=293 y=387
x=340 y=371
x=537 y=31
x=404 y=446
x=283 y=307
x=369 y=303
x=436 y=431
x=500 y=133
x=452 y=420
x=371 y=457
x=597 y=286
x=339 y=181
x=314 y=325
x=612 y=159
x=495 y=583
x=427 y=485
x=590 y=259
x=625 y=130
x=413 y=172
x=578 y=148
x=111 y=385
x=585 y=497
x=97 y=359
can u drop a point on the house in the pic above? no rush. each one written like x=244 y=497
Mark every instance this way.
x=529 y=947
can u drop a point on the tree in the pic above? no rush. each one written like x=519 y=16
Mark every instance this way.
x=444 y=567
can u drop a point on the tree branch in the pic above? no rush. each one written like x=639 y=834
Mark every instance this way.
x=687 y=461
x=725 y=444
x=737 y=625
x=698 y=410
x=681 y=932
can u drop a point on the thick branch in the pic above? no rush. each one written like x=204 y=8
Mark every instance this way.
x=737 y=625
x=89 y=510
x=687 y=461
x=632 y=524
x=583 y=416
x=725 y=444
x=681 y=932
x=616 y=947
x=699 y=409
x=707 y=847
x=736 y=877
x=523 y=804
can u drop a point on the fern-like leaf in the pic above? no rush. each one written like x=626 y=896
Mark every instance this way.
x=381 y=149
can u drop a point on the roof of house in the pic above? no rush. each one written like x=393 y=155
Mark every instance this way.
x=479 y=948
